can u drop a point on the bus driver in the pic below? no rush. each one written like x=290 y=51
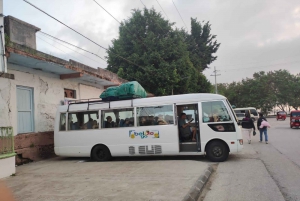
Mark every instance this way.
x=185 y=130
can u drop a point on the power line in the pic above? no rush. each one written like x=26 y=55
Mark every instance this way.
x=106 y=11
x=72 y=45
x=59 y=42
x=180 y=15
x=143 y=3
x=121 y=23
x=139 y=38
x=162 y=9
x=83 y=35
x=56 y=47
x=153 y=18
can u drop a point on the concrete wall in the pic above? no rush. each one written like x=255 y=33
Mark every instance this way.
x=48 y=92
x=7 y=167
x=20 y=32
x=34 y=146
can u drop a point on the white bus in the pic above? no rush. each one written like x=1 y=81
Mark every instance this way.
x=252 y=110
x=147 y=127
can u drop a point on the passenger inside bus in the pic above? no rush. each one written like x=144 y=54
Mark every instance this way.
x=95 y=124
x=185 y=130
x=125 y=123
x=215 y=116
x=161 y=121
x=109 y=123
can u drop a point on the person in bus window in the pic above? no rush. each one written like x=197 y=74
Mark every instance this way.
x=128 y=123
x=151 y=120
x=161 y=121
x=95 y=125
x=215 y=115
x=89 y=124
x=109 y=123
x=185 y=130
x=143 y=121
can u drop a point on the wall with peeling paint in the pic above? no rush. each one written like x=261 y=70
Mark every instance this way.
x=48 y=90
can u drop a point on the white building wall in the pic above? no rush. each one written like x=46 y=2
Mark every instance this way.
x=89 y=91
x=7 y=166
x=48 y=94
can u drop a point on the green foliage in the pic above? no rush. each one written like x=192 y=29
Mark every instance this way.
x=264 y=91
x=165 y=60
x=7 y=39
x=201 y=44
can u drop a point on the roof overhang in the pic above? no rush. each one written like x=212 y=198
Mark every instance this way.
x=30 y=58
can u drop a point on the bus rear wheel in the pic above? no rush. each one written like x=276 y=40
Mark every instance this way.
x=101 y=153
x=217 y=151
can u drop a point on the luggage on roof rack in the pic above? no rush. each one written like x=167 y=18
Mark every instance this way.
x=131 y=90
x=110 y=94
x=128 y=90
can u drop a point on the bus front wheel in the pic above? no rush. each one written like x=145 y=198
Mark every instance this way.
x=217 y=151
x=101 y=153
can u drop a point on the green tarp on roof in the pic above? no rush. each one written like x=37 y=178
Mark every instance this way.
x=126 y=90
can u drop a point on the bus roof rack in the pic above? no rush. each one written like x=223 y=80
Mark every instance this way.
x=93 y=101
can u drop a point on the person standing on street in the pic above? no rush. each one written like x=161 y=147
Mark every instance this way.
x=263 y=129
x=248 y=125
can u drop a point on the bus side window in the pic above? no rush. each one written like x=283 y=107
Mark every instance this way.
x=156 y=115
x=83 y=120
x=215 y=111
x=117 y=118
x=62 y=122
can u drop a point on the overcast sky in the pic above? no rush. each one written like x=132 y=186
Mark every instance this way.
x=256 y=35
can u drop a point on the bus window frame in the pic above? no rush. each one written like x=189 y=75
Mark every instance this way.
x=67 y=113
x=218 y=122
x=121 y=108
x=232 y=111
x=66 y=127
x=156 y=105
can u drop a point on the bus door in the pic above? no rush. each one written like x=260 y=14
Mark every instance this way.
x=187 y=141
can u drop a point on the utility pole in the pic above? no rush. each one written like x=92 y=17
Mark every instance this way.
x=215 y=74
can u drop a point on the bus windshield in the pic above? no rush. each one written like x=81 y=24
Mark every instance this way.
x=295 y=114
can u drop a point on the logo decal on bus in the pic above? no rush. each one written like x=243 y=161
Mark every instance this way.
x=144 y=134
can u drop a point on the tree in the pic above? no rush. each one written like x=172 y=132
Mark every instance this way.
x=201 y=44
x=265 y=91
x=283 y=87
x=294 y=96
x=160 y=60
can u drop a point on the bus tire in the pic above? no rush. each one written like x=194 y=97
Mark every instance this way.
x=217 y=151
x=101 y=153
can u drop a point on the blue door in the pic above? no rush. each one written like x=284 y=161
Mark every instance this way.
x=25 y=109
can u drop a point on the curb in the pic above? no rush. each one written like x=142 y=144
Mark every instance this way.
x=196 y=189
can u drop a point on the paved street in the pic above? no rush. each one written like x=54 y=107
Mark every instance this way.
x=155 y=178
x=262 y=171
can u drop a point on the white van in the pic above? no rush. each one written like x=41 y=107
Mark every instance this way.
x=252 y=110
